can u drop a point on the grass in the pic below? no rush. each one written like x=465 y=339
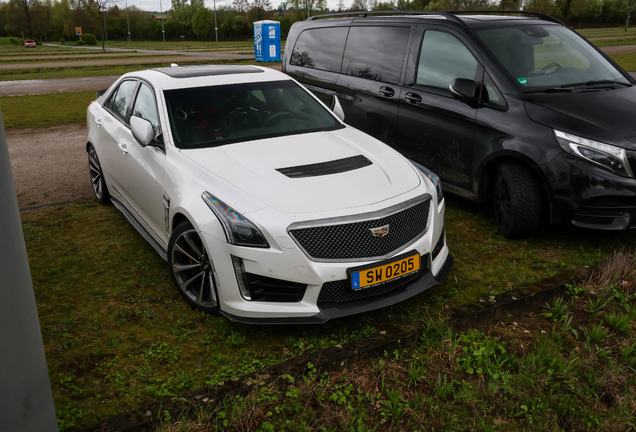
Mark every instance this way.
x=525 y=373
x=117 y=334
x=45 y=110
x=71 y=71
x=626 y=61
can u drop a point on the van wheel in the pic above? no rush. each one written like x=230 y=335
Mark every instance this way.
x=516 y=201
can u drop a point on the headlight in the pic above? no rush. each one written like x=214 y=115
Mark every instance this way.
x=613 y=159
x=433 y=178
x=238 y=229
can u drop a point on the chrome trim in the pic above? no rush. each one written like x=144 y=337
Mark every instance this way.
x=363 y=217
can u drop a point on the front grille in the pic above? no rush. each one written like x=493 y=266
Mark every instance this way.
x=341 y=291
x=355 y=240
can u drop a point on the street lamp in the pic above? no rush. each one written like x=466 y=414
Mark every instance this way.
x=127 y=22
x=216 y=33
x=162 y=30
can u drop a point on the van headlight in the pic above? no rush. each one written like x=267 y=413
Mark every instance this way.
x=433 y=178
x=609 y=157
x=238 y=229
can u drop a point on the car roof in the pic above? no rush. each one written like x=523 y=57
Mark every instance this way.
x=177 y=77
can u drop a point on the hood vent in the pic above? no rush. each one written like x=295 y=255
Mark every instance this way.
x=326 y=168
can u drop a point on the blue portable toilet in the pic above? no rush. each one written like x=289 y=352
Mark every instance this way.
x=267 y=41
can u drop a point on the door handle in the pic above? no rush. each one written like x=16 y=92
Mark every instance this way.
x=123 y=147
x=98 y=122
x=413 y=98
x=387 y=91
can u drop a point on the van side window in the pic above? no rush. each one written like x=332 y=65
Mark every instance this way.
x=443 y=58
x=320 y=49
x=376 y=53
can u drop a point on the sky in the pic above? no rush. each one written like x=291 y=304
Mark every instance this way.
x=153 y=5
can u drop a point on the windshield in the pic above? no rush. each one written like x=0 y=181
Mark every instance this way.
x=548 y=56
x=218 y=115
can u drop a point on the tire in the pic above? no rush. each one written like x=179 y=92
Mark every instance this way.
x=191 y=269
x=516 y=201
x=97 y=177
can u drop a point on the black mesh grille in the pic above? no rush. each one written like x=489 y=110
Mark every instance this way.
x=341 y=291
x=354 y=240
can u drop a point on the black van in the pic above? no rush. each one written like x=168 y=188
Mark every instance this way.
x=519 y=110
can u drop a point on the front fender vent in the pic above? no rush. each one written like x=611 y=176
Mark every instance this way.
x=325 y=168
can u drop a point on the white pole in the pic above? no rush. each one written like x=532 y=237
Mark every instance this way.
x=162 y=30
x=216 y=33
x=128 y=22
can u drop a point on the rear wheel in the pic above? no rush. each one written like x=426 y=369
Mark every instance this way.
x=516 y=201
x=97 y=177
x=191 y=268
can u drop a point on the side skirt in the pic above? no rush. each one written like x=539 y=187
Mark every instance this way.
x=163 y=253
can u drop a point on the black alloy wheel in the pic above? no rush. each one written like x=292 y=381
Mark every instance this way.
x=97 y=177
x=191 y=269
x=516 y=201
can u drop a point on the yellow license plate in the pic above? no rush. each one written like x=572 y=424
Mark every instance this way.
x=378 y=275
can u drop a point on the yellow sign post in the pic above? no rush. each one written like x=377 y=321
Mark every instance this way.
x=78 y=31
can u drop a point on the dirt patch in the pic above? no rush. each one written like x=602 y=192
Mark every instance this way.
x=62 y=85
x=623 y=49
x=49 y=165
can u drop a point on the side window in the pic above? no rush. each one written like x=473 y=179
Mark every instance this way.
x=443 y=58
x=320 y=48
x=494 y=97
x=121 y=99
x=367 y=54
x=145 y=107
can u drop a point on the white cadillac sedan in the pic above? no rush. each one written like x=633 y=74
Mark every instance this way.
x=267 y=207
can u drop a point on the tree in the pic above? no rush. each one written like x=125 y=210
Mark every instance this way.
x=564 y=7
x=340 y=6
x=359 y=5
x=241 y=6
x=302 y=7
x=202 y=22
x=259 y=9
x=22 y=15
x=97 y=8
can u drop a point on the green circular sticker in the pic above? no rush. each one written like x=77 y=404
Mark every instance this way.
x=523 y=80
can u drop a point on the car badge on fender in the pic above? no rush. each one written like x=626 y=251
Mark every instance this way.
x=380 y=231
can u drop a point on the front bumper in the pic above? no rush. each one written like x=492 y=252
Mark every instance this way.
x=330 y=311
x=590 y=197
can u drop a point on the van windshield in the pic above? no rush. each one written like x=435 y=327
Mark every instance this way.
x=217 y=115
x=548 y=56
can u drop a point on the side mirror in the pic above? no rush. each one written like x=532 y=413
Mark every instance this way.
x=464 y=90
x=142 y=130
x=101 y=92
x=335 y=106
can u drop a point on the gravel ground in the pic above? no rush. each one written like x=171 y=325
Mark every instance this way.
x=49 y=165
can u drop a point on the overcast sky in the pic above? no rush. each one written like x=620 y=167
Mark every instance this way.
x=153 y=5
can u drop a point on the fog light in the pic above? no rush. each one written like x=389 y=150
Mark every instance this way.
x=241 y=277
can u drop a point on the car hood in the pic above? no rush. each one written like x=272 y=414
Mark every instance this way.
x=602 y=115
x=252 y=167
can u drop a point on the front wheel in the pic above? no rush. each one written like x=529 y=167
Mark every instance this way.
x=516 y=201
x=191 y=269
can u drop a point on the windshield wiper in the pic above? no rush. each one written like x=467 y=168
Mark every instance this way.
x=550 y=90
x=597 y=82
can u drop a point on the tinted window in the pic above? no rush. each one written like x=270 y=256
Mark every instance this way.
x=376 y=53
x=218 y=115
x=120 y=99
x=145 y=107
x=444 y=58
x=320 y=48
